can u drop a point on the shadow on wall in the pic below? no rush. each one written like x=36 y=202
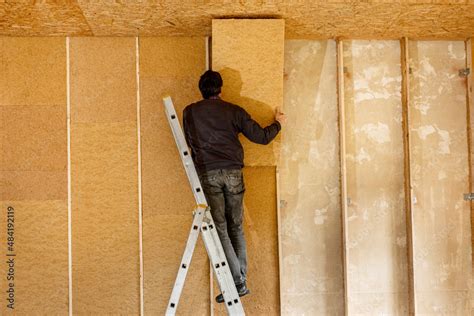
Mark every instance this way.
x=232 y=92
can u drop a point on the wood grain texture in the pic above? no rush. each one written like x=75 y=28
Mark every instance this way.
x=470 y=51
x=376 y=218
x=104 y=179
x=43 y=18
x=260 y=229
x=41 y=261
x=407 y=166
x=309 y=186
x=304 y=19
x=33 y=71
x=169 y=66
x=442 y=232
x=249 y=56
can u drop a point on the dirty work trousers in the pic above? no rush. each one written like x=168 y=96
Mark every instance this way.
x=224 y=191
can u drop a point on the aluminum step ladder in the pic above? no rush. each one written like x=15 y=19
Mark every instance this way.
x=202 y=222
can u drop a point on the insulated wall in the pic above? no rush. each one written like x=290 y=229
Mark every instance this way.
x=311 y=245
x=249 y=55
x=104 y=176
x=376 y=231
x=33 y=176
x=440 y=176
x=169 y=66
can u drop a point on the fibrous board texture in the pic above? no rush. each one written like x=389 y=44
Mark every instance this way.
x=169 y=66
x=33 y=175
x=260 y=229
x=376 y=229
x=249 y=56
x=376 y=19
x=440 y=174
x=105 y=260
x=311 y=245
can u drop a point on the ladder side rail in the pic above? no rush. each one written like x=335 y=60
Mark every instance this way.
x=185 y=261
x=222 y=272
x=208 y=232
x=184 y=152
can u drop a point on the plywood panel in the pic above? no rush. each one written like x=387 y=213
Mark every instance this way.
x=40 y=261
x=311 y=272
x=104 y=179
x=261 y=234
x=249 y=56
x=387 y=19
x=376 y=223
x=442 y=236
x=33 y=138
x=33 y=71
x=169 y=66
x=106 y=91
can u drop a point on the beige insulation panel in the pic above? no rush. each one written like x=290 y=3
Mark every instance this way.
x=311 y=253
x=104 y=160
x=249 y=56
x=376 y=220
x=261 y=234
x=439 y=160
x=33 y=173
x=169 y=66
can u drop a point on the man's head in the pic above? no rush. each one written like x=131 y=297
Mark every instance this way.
x=210 y=84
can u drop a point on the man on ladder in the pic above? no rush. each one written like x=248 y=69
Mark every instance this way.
x=211 y=127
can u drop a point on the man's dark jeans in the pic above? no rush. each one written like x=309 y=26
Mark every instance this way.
x=224 y=191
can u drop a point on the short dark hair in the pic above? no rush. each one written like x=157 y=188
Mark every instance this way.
x=210 y=84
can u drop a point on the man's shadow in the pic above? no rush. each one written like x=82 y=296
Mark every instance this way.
x=261 y=112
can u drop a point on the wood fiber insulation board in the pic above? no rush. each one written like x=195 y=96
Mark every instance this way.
x=33 y=173
x=104 y=161
x=312 y=271
x=169 y=66
x=439 y=160
x=261 y=234
x=376 y=246
x=33 y=147
x=249 y=56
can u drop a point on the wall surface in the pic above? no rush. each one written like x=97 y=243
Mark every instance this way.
x=311 y=272
x=249 y=56
x=33 y=174
x=442 y=232
x=376 y=245
x=105 y=182
x=104 y=176
x=169 y=66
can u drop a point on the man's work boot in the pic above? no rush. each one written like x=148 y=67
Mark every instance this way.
x=242 y=289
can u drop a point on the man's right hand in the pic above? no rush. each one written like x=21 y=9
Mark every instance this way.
x=280 y=116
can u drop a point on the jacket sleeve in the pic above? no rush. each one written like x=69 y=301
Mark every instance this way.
x=254 y=132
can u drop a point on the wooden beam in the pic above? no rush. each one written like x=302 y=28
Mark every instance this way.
x=342 y=156
x=469 y=113
x=407 y=167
